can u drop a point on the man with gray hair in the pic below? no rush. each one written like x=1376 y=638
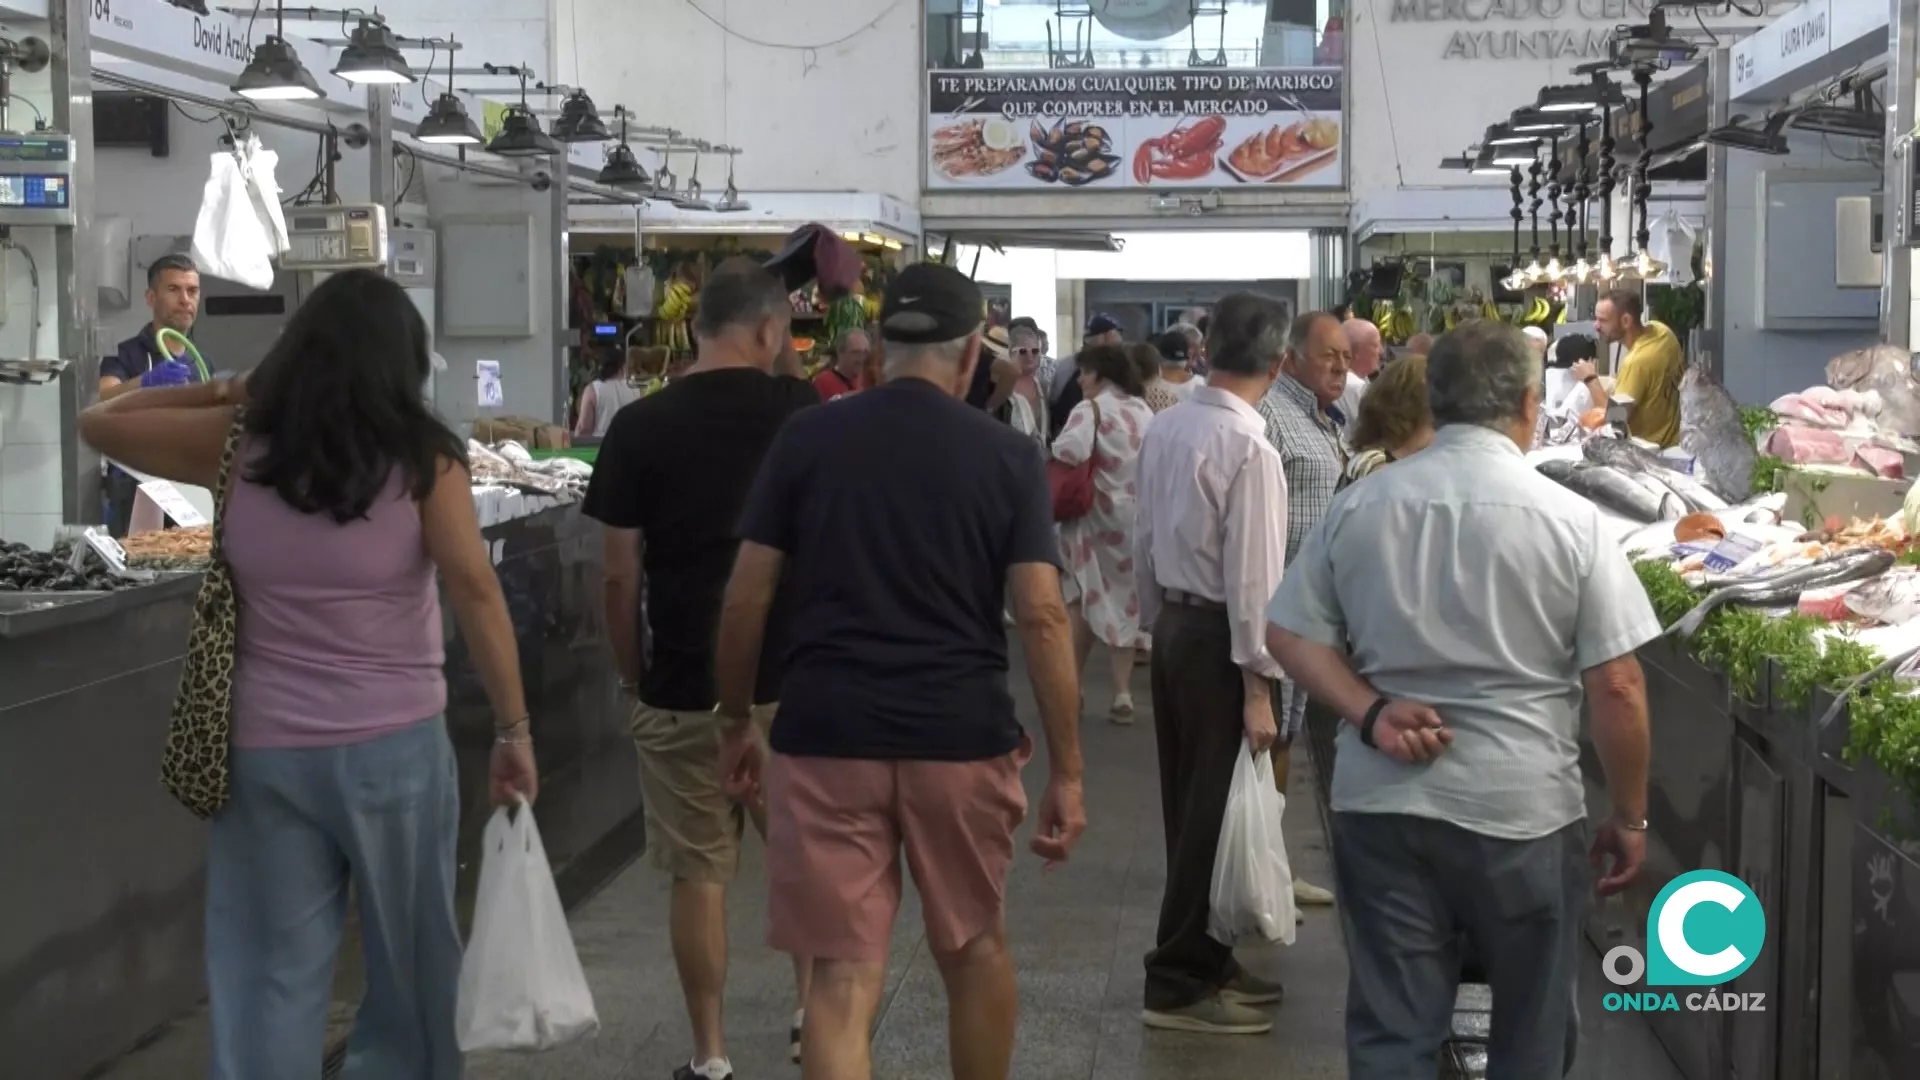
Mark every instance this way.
x=843 y=376
x=896 y=728
x=1482 y=602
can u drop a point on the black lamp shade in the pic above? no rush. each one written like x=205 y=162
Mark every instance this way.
x=447 y=123
x=579 y=121
x=1502 y=135
x=1540 y=122
x=520 y=136
x=1483 y=164
x=623 y=169
x=1581 y=97
x=276 y=74
x=371 y=57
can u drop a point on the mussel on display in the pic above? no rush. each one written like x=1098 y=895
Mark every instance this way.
x=1072 y=152
x=23 y=569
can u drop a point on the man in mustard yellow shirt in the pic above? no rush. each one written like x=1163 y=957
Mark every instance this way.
x=1651 y=372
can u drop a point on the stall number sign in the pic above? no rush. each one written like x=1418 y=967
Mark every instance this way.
x=173 y=504
x=1912 y=224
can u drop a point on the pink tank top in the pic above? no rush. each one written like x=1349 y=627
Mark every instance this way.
x=340 y=634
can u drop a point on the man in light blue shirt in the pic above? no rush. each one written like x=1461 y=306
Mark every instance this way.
x=1482 y=602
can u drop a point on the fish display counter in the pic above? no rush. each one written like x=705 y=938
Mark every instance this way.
x=1785 y=716
x=101 y=917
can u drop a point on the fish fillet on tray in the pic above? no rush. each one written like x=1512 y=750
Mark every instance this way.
x=977 y=148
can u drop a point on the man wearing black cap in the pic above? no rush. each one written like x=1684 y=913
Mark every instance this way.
x=896 y=728
x=1101 y=330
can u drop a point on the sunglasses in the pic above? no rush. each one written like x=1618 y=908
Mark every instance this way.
x=1025 y=351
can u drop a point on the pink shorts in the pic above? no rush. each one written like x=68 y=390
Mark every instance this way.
x=835 y=830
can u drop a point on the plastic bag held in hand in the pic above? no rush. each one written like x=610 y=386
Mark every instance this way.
x=521 y=987
x=1252 y=883
x=171 y=373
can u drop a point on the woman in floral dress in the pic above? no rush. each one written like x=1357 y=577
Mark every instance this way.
x=1097 y=549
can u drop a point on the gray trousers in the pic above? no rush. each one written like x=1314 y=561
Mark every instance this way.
x=1413 y=892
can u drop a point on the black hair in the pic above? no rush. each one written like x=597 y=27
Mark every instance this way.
x=739 y=293
x=1116 y=365
x=613 y=362
x=1627 y=301
x=1246 y=334
x=338 y=401
x=165 y=263
x=1024 y=322
x=1573 y=348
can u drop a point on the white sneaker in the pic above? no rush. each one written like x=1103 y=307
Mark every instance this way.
x=1306 y=893
x=1122 y=711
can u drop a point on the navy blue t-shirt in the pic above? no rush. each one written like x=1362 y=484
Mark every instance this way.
x=899 y=510
x=136 y=356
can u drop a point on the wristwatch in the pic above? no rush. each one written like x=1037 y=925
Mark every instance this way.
x=1632 y=826
x=1373 y=716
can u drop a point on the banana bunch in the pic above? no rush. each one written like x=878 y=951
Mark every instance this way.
x=673 y=335
x=676 y=301
x=1536 y=312
x=1396 y=323
x=871 y=303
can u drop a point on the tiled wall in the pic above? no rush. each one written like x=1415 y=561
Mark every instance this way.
x=30 y=461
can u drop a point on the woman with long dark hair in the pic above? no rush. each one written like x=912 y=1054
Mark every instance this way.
x=610 y=391
x=345 y=495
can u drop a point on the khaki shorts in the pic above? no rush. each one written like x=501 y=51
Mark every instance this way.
x=693 y=829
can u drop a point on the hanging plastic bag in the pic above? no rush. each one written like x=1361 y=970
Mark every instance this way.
x=1670 y=240
x=1252 y=883
x=228 y=238
x=259 y=167
x=521 y=987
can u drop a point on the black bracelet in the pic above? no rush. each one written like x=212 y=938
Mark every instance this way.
x=1373 y=716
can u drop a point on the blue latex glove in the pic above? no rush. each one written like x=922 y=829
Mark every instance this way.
x=171 y=373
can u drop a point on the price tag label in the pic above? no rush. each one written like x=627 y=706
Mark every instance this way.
x=175 y=505
x=107 y=548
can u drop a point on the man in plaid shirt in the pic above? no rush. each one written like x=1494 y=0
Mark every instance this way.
x=1305 y=425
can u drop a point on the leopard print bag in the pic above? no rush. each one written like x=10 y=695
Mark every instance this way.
x=194 y=767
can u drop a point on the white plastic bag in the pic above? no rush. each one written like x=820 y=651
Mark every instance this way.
x=1670 y=240
x=521 y=987
x=1252 y=883
x=229 y=239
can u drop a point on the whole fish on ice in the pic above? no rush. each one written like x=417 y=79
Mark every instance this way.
x=1710 y=430
x=1608 y=487
x=1785 y=586
x=1623 y=455
x=1893 y=599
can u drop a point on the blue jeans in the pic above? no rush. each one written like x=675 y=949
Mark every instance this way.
x=301 y=826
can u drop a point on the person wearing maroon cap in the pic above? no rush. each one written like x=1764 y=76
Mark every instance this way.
x=897 y=733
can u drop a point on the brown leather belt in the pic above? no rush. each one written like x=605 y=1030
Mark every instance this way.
x=1184 y=599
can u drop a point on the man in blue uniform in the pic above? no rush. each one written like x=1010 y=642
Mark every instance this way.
x=173 y=295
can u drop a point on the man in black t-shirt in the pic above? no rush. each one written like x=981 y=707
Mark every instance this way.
x=897 y=729
x=672 y=475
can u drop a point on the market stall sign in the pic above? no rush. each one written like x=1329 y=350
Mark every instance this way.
x=1214 y=128
x=1783 y=46
x=1577 y=30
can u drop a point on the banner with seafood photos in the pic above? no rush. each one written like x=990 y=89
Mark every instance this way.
x=1071 y=129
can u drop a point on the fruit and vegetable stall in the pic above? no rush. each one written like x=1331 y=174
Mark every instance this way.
x=90 y=657
x=1780 y=547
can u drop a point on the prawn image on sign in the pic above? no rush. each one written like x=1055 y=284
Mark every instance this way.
x=1185 y=153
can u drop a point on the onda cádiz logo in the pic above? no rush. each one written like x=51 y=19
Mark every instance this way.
x=1705 y=929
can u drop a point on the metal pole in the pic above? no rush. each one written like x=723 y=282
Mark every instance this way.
x=1713 y=328
x=77 y=289
x=380 y=187
x=1896 y=288
x=562 y=296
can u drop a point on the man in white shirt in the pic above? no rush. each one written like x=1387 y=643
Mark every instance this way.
x=1210 y=533
x=1479 y=599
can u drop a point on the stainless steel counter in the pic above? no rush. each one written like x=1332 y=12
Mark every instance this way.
x=101 y=896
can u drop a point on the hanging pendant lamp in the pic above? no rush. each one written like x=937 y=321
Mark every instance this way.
x=275 y=72
x=447 y=122
x=520 y=135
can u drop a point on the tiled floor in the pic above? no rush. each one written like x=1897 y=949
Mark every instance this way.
x=1079 y=933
